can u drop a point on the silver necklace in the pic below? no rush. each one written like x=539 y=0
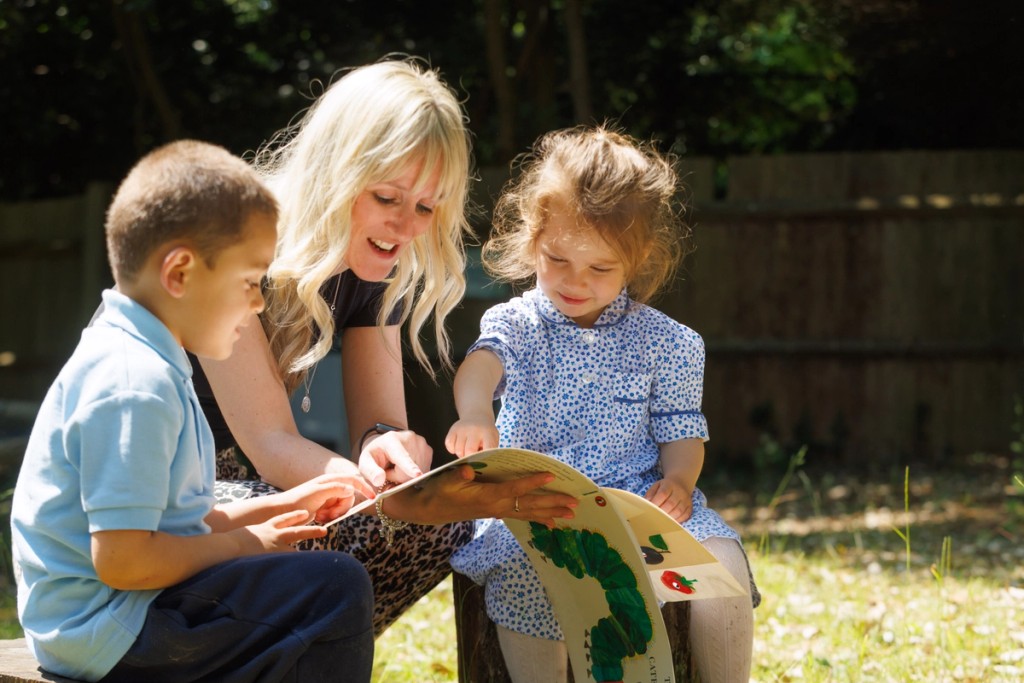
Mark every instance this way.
x=308 y=379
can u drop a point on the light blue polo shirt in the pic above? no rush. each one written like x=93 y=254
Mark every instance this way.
x=120 y=442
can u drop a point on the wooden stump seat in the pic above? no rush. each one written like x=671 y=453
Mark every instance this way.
x=480 y=659
x=17 y=665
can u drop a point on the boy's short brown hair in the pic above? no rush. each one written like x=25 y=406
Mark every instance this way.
x=189 y=191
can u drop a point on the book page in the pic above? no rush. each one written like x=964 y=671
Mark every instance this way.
x=596 y=580
x=499 y=464
x=604 y=570
x=680 y=568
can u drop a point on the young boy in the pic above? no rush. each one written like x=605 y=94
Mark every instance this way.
x=127 y=568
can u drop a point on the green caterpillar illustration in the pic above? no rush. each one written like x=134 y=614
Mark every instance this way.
x=628 y=629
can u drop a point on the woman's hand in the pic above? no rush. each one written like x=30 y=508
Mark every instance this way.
x=470 y=436
x=457 y=496
x=395 y=457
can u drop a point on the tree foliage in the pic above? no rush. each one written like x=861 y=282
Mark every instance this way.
x=90 y=85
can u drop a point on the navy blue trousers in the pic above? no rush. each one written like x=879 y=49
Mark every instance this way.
x=285 y=617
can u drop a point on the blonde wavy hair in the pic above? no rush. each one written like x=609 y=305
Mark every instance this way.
x=612 y=183
x=367 y=127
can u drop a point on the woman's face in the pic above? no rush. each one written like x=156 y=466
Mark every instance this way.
x=386 y=217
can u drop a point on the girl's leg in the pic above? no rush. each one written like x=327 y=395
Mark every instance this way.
x=722 y=629
x=286 y=617
x=533 y=660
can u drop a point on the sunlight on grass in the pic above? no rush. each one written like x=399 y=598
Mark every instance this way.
x=420 y=646
x=847 y=598
x=818 y=623
x=822 y=623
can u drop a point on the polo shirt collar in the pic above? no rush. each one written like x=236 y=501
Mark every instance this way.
x=125 y=313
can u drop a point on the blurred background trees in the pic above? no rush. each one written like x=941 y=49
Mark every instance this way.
x=88 y=86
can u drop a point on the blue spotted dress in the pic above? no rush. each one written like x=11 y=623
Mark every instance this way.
x=600 y=399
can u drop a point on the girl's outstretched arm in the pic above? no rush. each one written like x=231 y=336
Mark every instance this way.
x=474 y=387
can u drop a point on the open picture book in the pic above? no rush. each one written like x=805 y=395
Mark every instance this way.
x=607 y=570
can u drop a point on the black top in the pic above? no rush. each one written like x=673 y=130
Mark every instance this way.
x=357 y=305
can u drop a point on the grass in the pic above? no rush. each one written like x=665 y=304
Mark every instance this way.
x=818 y=622
x=850 y=594
x=847 y=596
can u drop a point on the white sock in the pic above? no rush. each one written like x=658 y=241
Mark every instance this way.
x=533 y=660
x=722 y=629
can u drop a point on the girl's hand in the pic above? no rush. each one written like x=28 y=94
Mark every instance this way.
x=469 y=436
x=673 y=498
x=395 y=457
x=324 y=497
x=456 y=496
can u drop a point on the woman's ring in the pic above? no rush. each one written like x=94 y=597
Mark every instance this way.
x=517 y=504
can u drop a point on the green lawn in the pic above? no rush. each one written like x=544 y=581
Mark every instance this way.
x=874 y=579
x=840 y=603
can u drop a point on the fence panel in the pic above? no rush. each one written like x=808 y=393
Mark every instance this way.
x=54 y=267
x=865 y=304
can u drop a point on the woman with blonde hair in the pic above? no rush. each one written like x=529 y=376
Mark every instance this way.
x=372 y=183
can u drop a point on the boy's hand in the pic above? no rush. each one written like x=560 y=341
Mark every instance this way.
x=324 y=497
x=673 y=498
x=469 y=436
x=278 y=534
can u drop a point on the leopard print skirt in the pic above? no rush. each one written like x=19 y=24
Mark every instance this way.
x=401 y=574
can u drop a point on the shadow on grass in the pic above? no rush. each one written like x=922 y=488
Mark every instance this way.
x=974 y=514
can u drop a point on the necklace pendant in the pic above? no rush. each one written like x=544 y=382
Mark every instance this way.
x=305 y=403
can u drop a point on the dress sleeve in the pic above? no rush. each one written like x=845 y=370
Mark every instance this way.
x=503 y=333
x=678 y=387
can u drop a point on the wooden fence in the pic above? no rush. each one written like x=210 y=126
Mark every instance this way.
x=54 y=266
x=867 y=305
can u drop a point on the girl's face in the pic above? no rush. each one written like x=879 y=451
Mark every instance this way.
x=576 y=269
x=386 y=217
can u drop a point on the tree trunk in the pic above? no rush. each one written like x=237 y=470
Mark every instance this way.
x=497 y=66
x=140 y=66
x=579 y=74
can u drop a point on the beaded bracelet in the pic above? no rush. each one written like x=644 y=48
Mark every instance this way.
x=388 y=525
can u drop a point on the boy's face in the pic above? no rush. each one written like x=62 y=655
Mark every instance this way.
x=225 y=297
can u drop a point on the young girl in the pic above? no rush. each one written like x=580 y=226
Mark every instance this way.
x=589 y=374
